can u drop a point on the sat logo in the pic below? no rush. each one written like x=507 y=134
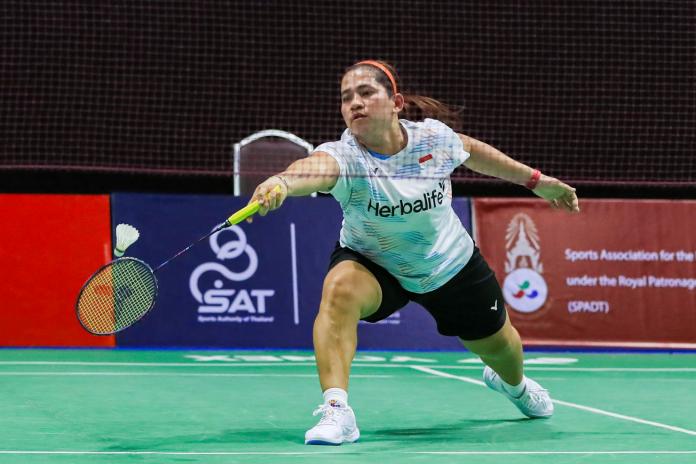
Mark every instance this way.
x=220 y=302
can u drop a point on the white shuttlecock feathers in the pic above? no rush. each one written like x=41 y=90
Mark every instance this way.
x=126 y=235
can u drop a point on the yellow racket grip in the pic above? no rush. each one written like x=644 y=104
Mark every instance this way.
x=249 y=210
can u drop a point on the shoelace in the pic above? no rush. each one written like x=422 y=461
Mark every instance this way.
x=330 y=415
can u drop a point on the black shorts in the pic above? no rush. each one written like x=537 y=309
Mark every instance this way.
x=470 y=305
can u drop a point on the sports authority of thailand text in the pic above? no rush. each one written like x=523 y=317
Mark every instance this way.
x=631 y=281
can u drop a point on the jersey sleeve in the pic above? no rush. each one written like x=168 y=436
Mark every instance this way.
x=341 y=190
x=451 y=141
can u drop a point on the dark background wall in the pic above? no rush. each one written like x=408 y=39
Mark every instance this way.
x=143 y=95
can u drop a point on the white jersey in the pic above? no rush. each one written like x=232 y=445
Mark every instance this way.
x=397 y=210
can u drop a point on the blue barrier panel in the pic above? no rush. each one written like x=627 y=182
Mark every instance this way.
x=253 y=285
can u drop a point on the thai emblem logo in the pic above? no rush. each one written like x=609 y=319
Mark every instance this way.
x=524 y=288
x=220 y=303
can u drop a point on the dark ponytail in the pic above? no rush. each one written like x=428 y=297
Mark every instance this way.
x=419 y=107
x=416 y=107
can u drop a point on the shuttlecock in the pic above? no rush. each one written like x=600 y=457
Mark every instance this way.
x=126 y=235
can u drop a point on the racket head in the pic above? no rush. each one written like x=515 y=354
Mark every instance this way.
x=117 y=296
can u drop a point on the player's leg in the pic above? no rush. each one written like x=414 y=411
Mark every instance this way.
x=502 y=354
x=350 y=293
x=501 y=351
x=355 y=288
x=500 y=347
x=471 y=306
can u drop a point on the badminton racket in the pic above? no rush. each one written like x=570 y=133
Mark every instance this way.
x=124 y=290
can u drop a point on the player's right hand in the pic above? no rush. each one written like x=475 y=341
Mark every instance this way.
x=270 y=194
x=557 y=193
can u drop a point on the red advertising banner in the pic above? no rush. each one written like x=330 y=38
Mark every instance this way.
x=49 y=246
x=622 y=273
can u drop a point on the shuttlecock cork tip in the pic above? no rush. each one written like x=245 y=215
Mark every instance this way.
x=126 y=235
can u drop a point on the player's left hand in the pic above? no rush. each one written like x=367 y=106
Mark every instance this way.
x=557 y=193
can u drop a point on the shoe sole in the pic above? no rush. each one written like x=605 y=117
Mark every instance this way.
x=350 y=439
x=320 y=442
x=327 y=443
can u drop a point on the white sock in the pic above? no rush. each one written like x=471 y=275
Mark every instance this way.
x=337 y=394
x=514 y=390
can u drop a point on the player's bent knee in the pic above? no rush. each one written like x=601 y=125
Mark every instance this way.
x=502 y=342
x=350 y=290
x=338 y=291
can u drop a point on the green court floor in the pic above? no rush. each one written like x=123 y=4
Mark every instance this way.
x=123 y=406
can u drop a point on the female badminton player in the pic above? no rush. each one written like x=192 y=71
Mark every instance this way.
x=401 y=240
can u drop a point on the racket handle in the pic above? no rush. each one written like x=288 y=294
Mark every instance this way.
x=249 y=210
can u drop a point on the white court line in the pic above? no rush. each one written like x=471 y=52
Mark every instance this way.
x=284 y=363
x=547 y=452
x=175 y=374
x=449 y=376
x=595 y=369
x=155 y=364
x=566 y=403
x=310 y=453
x=581 y=369
x=176 y=453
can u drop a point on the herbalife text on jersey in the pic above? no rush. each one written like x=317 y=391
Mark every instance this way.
x=429 y=200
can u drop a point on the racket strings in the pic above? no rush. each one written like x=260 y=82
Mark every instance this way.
x=117 y=296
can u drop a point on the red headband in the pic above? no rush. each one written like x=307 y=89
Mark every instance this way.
x=384 y=69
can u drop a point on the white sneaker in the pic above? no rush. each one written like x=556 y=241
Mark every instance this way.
x=534 y=402
x=337 y=425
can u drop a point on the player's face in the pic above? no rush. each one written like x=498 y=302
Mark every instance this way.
x=365 y=105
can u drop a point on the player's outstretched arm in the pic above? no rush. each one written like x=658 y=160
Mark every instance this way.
x=490 y=161
x=317 y=172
